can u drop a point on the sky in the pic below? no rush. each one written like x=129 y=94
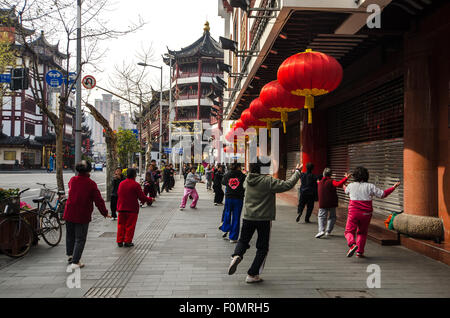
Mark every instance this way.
x=170 y=23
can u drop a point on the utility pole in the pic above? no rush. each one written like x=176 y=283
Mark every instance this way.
x=78 y=95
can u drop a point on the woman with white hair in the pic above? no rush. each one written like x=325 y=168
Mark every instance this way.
x=328 y=202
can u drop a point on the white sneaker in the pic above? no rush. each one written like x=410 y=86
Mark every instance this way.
x=181 y=209
x=215 y=204
x=233 y=265
x=253 y=279
x=233 y=241
x=327 y=234
x=320 y=234
x=75 y=266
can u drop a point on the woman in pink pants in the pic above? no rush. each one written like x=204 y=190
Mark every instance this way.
x=360 y=209
x=189 y=189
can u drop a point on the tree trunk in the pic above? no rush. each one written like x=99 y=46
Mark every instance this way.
x=148 y=154
x=111 y=147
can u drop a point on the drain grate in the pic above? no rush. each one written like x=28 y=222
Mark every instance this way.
x=189 y=235
x=108 y=234
x=118 y=274
x=345 y=293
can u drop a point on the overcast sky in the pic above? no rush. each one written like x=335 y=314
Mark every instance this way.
x=171 y=23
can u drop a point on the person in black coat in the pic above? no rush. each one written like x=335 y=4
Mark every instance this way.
x=166 y=179
x=117 y=179
x=217 y=186
x=307 y=193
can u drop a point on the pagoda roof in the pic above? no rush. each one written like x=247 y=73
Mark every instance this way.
x=204 y=46
x=41 y=41
x=10 y=19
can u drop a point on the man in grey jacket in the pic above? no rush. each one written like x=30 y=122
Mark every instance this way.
x=260 y=211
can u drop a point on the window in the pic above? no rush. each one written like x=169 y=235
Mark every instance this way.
x=9 y=155
x=29 y=129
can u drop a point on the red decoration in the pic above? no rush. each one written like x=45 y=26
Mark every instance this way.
x=277 y=99
x=251 y=121
x=310 y=74
x=263 y=113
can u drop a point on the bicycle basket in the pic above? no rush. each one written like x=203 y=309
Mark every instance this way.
x=10 y=205
x=47 y=194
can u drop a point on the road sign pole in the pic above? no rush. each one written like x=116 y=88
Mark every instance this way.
x=78 y=105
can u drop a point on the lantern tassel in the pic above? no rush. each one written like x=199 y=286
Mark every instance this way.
x=284 y=119
x=309 y=105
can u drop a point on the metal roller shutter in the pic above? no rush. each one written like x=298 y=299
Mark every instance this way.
x=367 y=130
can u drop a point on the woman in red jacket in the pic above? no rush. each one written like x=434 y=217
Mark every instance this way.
x=128 y=207
x=83 y=192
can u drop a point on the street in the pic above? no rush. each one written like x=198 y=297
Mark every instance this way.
x=182 y=254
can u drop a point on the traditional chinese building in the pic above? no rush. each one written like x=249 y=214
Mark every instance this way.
x=195 y=69
x=28 y=137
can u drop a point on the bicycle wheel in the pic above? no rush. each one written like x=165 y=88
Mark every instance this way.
x=60 y=210
x=17 y=237
x=51 y=230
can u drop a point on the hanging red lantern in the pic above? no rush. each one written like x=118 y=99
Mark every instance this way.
x=277 y=99
x=263 y=113
x=251 y=121
x=310 y=74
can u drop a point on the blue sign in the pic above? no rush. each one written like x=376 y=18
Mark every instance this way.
x=136 y=133
x=5 y=78
x=167 y=150
x=54 y=78
x=72 y=77
x=180 y=151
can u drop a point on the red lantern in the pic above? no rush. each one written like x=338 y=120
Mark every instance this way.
x=250 y=120
x=310 y=74
x=260 y=111
x=277 y=99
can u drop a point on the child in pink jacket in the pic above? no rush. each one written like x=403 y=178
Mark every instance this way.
x=360 y=209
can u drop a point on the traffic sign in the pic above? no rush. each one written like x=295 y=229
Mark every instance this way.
x=136 y=133
x=167 y=150
x=54 y=78
x=5 y=78
x=72 y=77
x=89 y=82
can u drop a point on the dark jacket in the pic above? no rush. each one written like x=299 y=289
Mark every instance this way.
x=129 y=193
x=234 y=180
x=115 y=185
x=308 y=185
x=217 y=180
x=83 y=192
x=327 y=192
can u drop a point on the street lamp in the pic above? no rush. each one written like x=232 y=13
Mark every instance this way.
x=170 y=57
x=160 y=110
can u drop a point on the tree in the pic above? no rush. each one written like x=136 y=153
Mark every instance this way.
x=126 y=144
x=58 y=17
x=111 y=146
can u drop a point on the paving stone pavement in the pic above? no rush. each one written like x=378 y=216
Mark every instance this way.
x=170 y=263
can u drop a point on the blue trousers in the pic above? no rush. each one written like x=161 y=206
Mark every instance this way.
x=232 y=217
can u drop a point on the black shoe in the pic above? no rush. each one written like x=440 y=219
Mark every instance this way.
x=128 y=244
x=307 y=221
x=233 y=265
x=298 y=218
x=120 y=244
x=69 y=260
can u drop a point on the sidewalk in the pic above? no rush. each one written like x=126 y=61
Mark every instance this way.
x=182 y=254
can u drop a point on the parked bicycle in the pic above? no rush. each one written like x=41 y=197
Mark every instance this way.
x=21 y=233
x=49 y=194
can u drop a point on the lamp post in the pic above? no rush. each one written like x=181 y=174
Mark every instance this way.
x=160 y=108
x=170 y=57
x=78 y=89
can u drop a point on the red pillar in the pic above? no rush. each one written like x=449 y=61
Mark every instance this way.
x=199 y=86
x=420 y=132
x=314 y=141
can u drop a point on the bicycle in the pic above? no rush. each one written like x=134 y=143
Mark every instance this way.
x=21 y=234
x=49 y=195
